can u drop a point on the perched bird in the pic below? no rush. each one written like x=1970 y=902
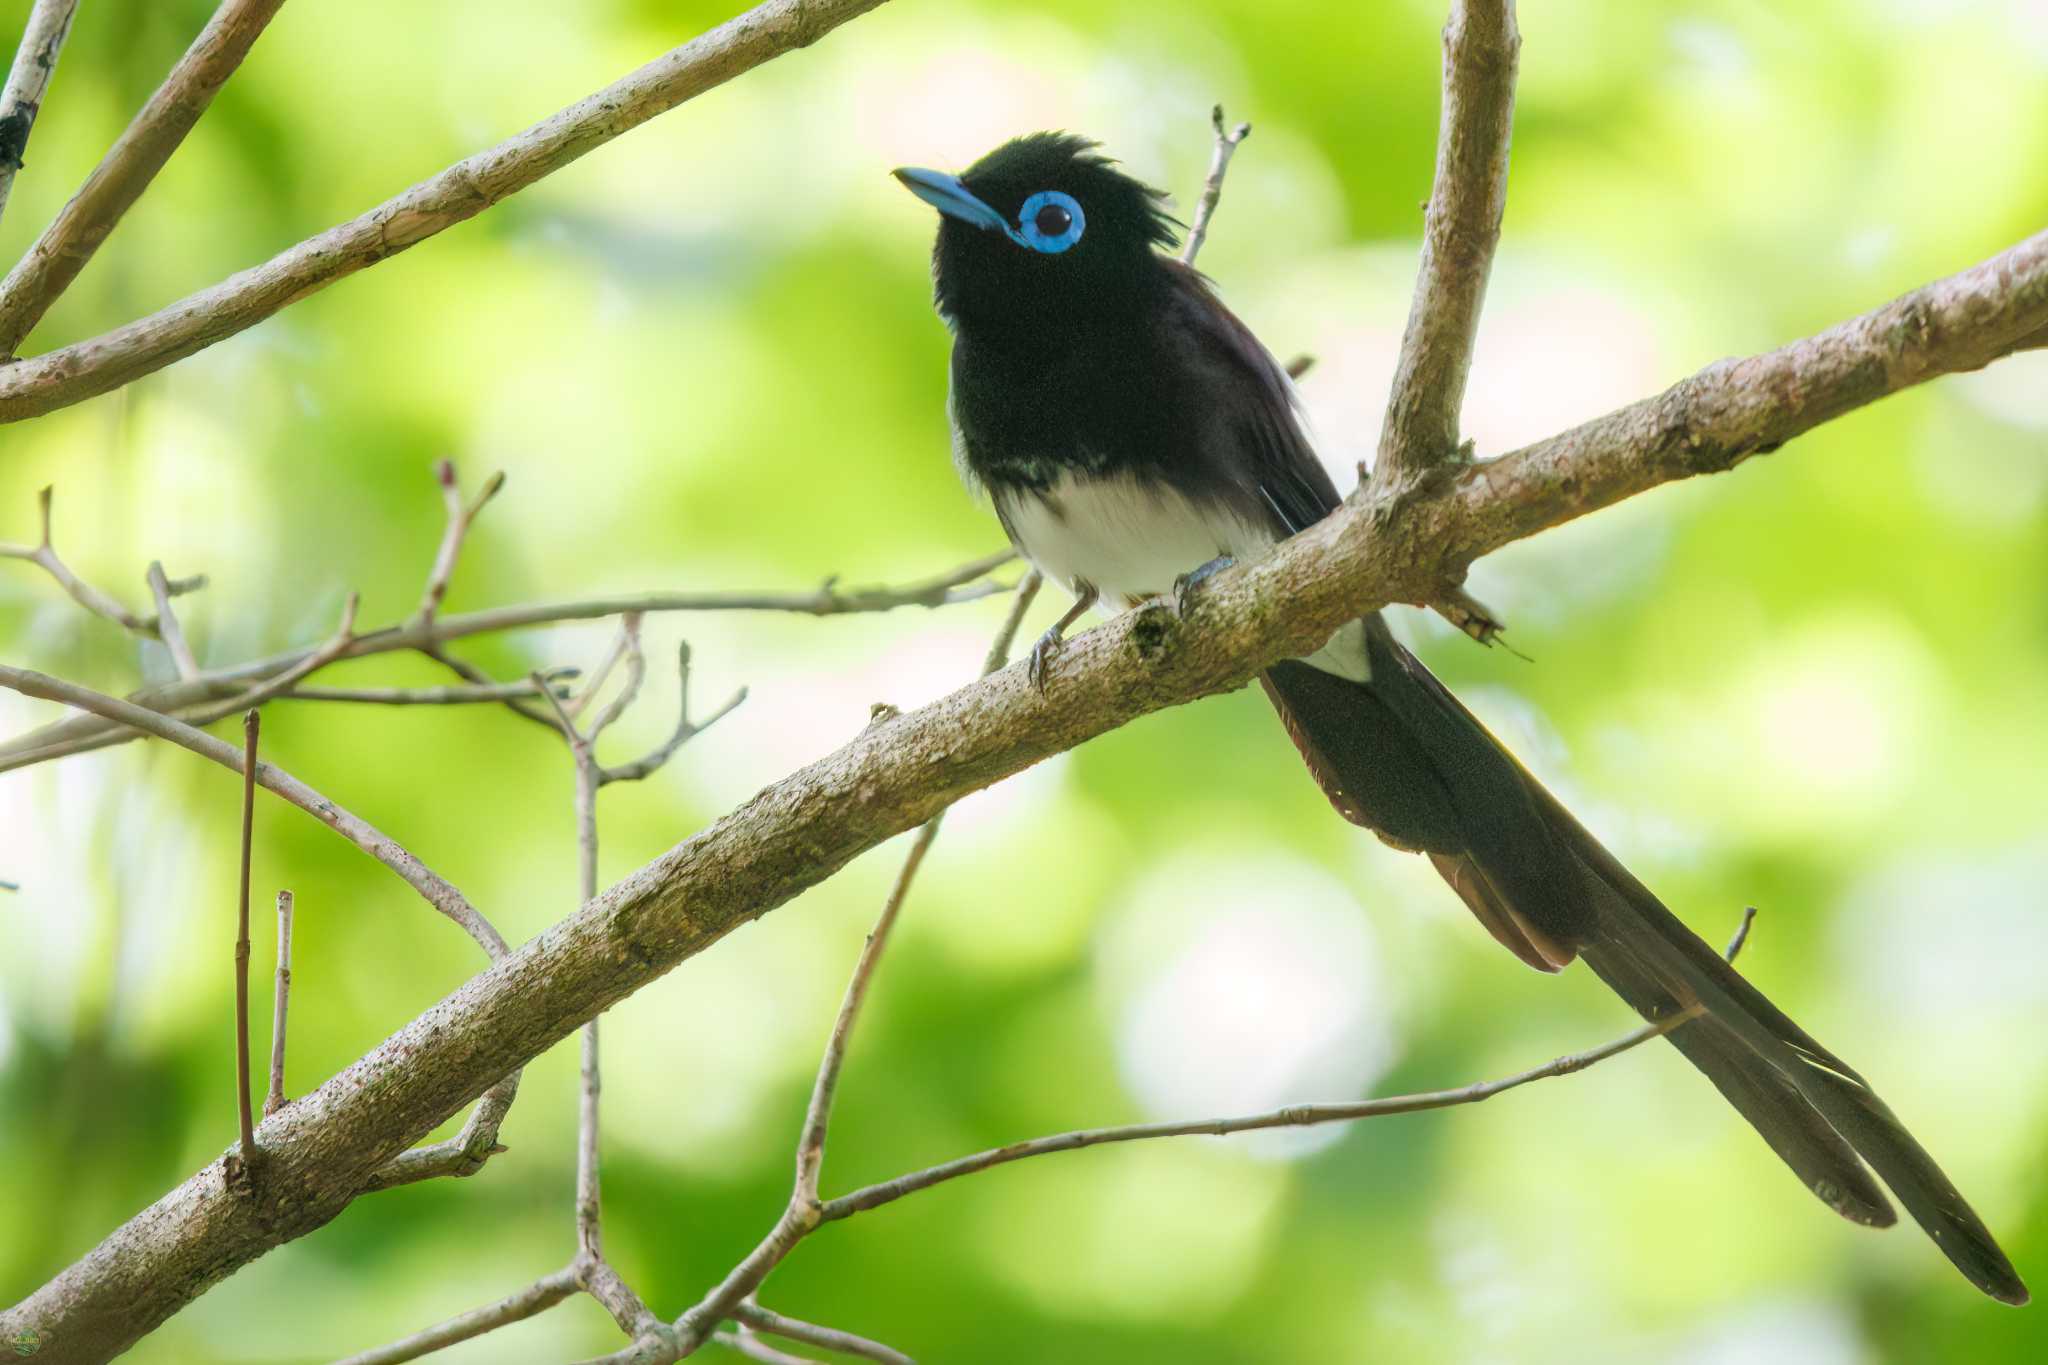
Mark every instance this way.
x=1131 y=432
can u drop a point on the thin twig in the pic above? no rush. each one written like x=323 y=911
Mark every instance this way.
x=686 y=729
x=575 y=706
x=1481 y=46
x=745 y=1343
x=801 y=1215
x=433 y=888
x=448 y=695
x=460 y=1156
x=280 y=1005
x=965 y=583
x=167 y=628
x=810 y=1148
x=537 y=1297
x=336 y=646
x=1212 y=188
x=1292 y=1116
x=43 y=555
x=594 y=1274
x=62 y=377
x=628 y=646
x=753 y=1315
x=252 y=725
x=128 y=167
x=461 y=516
x=21 y=97
x=1471 y=616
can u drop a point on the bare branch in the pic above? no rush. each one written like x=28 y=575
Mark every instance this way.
x=685 y=731
x=744 y=1342
x=810 y=1148
x=1212 y=188
x=252 y=725
x=461 y=516
x=537 y=1297
x=452 y=695
x=1470 y=615
x=761 y=1319
x=899 y=771
x=1463 y=226
x=167 y=627
x=434 y=889
x=60 y=378
x=636 y=673
x=76 y=735
x=280 y=1005
x=801 y=1215
x=44 y=556
x=35 y=61
x=336 y=646
x=458 y=1157
x=129 y=165
x=1293 y=1116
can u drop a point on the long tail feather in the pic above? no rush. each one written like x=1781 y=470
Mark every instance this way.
x=1401 y=756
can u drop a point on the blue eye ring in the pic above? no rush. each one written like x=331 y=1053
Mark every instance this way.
x=1050 y=205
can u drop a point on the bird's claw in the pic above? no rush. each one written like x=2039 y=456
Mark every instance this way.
x=1041 y=654
x=1185 y=585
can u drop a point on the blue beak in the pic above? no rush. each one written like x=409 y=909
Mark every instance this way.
x=946 y=194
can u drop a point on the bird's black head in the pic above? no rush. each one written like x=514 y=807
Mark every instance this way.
x=1041 y=228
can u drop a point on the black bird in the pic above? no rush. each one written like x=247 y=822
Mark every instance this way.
x=1130 y=432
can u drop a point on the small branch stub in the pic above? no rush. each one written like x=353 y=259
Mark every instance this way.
x=281 y=1005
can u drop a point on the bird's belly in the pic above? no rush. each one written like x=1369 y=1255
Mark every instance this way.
x=1127 y=540
x=1130 y=541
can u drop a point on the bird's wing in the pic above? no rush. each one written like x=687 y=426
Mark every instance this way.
x=1248 y=438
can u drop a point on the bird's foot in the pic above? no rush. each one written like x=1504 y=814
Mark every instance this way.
x=1184 y=586
x=1041 y=653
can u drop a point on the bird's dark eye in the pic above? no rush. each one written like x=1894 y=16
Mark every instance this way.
x=1051 y=222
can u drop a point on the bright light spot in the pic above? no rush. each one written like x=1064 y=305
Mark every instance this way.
x=1810 y=1333
x=1837 y=716
x=2014 y=390
x=735 y=1027
x=1933 y=935
x=1552 y=356
x=1240 y=986
x=1149 y=1232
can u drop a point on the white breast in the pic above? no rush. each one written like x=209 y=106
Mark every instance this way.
x=1127 y=540
x=1130 y=541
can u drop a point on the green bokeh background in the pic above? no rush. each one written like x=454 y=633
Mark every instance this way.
x=704 y=358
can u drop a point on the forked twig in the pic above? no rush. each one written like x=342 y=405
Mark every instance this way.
x=1212 y=187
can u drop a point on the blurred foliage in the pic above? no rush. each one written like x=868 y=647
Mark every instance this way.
x=704 y=357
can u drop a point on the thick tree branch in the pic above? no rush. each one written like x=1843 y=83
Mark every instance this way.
x=21 y=97
x=129 y=165
x=899 y=771
x=60 y=378
x=1481 y=47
